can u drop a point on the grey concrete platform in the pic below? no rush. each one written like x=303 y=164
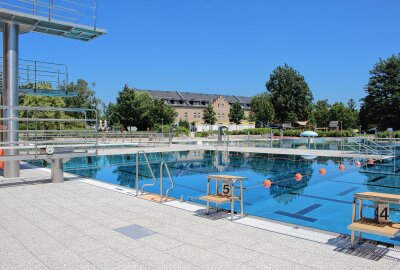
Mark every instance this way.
x=117 y=150
x=72 y=226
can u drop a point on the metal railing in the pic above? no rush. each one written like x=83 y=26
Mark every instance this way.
x=44 y=131
x=164 y=165
x=79 y=12
x=366 y=146
x=139 y=139
x=137 y=172
x=37 y=75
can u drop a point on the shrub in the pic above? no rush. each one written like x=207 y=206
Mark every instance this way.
x=181 y=130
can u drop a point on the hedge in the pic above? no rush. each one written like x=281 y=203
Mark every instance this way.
x=276 y=132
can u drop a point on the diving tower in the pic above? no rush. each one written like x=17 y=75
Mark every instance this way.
x=71 y=19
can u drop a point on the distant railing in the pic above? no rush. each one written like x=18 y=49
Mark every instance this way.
x=79 y=12
x=36 y=75
x=45 y=131
x=139 y=139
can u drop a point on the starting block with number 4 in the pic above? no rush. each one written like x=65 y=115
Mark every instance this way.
x=380 y=224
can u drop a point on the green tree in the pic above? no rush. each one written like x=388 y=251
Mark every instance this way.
x=111 y=115
x=262 y=110
x=236 y=114
x=290 y=94
x=184 y=123
x=85 y=99
x=345 y=115
x=162 y=113
x=43 y=101
x=134 y=108
x=321 y=113
x=351 y=104
x=209 y=116
x=381 y=106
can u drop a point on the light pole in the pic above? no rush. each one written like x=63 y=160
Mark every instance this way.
x=162 y=126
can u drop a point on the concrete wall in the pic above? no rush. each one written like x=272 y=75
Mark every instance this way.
x=205 y=127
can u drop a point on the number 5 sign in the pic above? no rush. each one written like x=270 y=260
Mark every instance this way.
x=226 y=188
x=382 y=212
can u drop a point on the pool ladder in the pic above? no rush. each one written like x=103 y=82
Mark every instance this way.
x=163 y=166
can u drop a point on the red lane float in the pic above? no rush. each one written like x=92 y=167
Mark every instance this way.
x=1 y=162
x=267 y=183
x=371 y=161
x=322 y=171
x=298 y=177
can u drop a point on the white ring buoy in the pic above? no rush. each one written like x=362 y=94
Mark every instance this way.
x=49 y=150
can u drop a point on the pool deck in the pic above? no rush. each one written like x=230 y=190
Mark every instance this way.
x=260 y=150
x=74 y=225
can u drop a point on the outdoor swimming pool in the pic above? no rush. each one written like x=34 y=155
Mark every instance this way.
x=317 y=201
x=337 y=144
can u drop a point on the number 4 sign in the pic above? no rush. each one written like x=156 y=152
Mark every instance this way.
x=382 y=212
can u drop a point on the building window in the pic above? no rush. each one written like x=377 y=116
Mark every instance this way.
x=220 y=105
x=186 y=115
x=222 y=116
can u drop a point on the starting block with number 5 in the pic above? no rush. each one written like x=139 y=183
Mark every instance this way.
x=227 y=183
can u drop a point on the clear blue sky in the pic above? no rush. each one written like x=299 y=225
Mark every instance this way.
x=228 y=46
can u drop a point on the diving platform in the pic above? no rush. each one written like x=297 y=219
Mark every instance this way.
x=69 y=19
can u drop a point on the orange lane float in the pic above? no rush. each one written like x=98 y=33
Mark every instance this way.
x=371 y=161
x=1 y=162
x=298 y=177
x=267 y=183
x=322 y=171
x=358 y=163
x=342 y=167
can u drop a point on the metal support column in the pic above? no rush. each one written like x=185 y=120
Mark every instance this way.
x=57 y=170
x=10 y=94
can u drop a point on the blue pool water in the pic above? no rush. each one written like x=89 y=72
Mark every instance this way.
x=317 y=201
x=293 y=143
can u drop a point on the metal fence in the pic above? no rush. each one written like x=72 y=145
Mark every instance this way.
x=47 y=131
x=37 y=76
x=137 y=139
x=79 y=12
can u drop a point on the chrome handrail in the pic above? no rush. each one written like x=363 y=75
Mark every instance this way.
x=138 y=153
x=164 y=165
x=374 y=151
x=380 y=146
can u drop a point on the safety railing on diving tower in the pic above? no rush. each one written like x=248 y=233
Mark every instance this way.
x=74 y=11
x=41 y=78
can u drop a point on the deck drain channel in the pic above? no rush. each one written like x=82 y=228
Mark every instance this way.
x=135 y=231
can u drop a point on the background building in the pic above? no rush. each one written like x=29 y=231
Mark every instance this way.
x=190 y=106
